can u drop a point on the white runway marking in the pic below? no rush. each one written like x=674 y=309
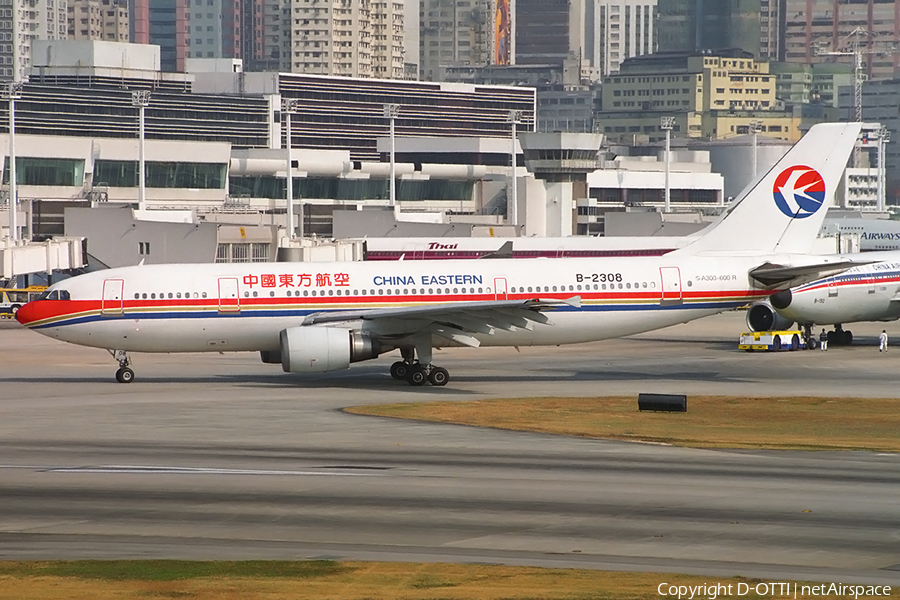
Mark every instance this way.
x=156 y=470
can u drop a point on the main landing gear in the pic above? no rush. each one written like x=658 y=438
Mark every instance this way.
x=415 y=372
x=124 y=374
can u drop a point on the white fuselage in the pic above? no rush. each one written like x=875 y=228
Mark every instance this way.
x=864 y=293
x=239 y=307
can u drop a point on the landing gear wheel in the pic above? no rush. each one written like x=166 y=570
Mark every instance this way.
x=812 y=343
x=124 y=375
x=416 y=376
x=400 y=369
x=848 y=338
x=439 y=376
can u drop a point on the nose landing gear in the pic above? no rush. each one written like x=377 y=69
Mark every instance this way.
x=124 y=374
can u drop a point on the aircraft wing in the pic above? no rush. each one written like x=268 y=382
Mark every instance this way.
x=454 y=321
x=778 y=275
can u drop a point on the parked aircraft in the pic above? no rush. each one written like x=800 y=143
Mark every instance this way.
x=874 y=235
x=317 y=317
x=863 y=293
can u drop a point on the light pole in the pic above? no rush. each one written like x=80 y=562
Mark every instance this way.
x=12 y=92
x=755 y=127
x=288 y=106
x=140 y=99
x=884 y=136
x=514 y=117
x=666 y=124
x=391 y=112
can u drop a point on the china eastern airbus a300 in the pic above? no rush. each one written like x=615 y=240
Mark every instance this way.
x=317 y=317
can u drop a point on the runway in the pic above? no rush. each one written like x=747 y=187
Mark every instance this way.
x=224 y=457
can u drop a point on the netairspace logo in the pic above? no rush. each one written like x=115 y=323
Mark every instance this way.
x=799 y=191
x=777 y=589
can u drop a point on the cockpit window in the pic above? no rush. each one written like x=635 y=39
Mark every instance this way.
x=55 y=295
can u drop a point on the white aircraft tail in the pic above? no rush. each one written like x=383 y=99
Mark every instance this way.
x=784 y=211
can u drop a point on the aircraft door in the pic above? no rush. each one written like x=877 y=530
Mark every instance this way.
x=500 y=288
x=229 y=300
x=113 y=301
x=832 y=288
x=671 y=286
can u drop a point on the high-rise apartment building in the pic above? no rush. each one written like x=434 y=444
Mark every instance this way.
x=828 y=25
x=329 y=37
x=454 y=33
x=622 y=29
x=387 y=39
x=770 y=38
x=689 y=25
x=21 y=22
x=98 y=20
x=353 y=38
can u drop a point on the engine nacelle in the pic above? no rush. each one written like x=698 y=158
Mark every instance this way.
x=762 y=317
x=320 y=349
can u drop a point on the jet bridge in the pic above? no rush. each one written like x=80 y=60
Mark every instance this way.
x=25 y=258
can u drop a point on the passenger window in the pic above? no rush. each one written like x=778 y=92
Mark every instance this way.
x=305 y=293
x=178 y=295
x=203 y=294
x=364 y=291
x=272 y=294
x=153 y=296
x=389 y=291
x=137 y=296
x=144 y=296
x=247 y=294
x=255 y=294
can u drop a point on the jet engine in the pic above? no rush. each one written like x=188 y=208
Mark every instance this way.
x=762 y=317
x=320 y=349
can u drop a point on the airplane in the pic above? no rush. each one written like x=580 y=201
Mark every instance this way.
x=868 y=292
x=874 y=235
x=319 y=317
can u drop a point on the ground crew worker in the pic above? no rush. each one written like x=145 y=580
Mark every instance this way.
x=823 y=340
x=882 y=341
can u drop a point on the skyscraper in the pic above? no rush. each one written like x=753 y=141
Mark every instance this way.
x=687 y=25
x=164 y=23
x=622 y=29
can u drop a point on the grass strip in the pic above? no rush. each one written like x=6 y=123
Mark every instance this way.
x=319 y=580
x=790 y=423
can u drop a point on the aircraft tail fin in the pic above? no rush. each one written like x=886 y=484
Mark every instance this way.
x=784 y=211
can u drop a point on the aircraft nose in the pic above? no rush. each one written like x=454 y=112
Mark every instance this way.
x=782 y=299
x=26 y=314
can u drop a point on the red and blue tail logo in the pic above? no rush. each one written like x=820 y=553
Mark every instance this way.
x=799 y=191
